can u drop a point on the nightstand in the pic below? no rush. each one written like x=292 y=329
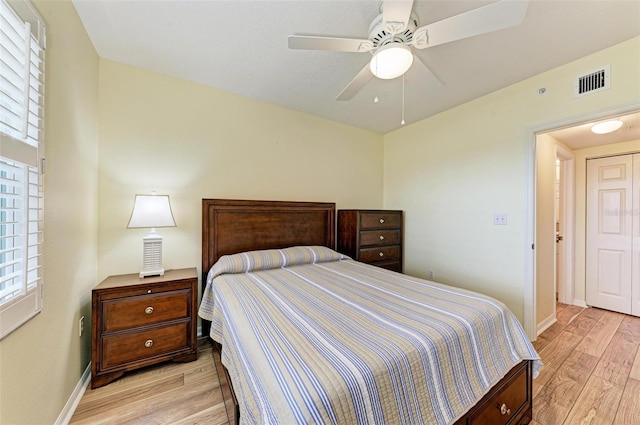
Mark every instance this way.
x=138 y=322
x=372 y=236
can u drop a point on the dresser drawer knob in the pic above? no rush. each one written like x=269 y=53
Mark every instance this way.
x=148 y=343
x=381 y=254
x=148 y=291
x=148 y=310
x=381 y=237
x=381 y=220
x=504 y=410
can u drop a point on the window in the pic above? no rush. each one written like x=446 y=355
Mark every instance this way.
x=22 y=43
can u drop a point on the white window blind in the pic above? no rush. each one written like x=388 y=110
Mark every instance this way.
x=22 y=43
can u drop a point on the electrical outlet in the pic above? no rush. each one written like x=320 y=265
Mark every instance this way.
x=81 y=326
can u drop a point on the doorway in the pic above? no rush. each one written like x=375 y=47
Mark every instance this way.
x=541 y=282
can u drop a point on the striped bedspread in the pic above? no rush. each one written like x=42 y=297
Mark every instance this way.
x=310 y=336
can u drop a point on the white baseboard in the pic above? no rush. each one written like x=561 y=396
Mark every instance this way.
x=546 y=323
x=74 y=399
x=580 y=303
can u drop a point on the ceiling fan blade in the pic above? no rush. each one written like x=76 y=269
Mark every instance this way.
x=493 y=17
x=313 y=42
x=395 y=15
x=356 y=84
x=424 y=74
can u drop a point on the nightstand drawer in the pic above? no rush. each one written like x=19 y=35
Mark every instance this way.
x=119 y=314
x=132 y=346
x=379 y=220
x=379 y=237
x=137 y=322
x=384 y=253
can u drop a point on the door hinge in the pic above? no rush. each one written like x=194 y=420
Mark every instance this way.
x=533 y=246
x=42 y=165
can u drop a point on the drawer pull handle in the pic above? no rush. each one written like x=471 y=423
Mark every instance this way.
x=381 y=254
x=504 y=410
x=381 y=220
x=149 y=291
x=148 y=310
x=148 y=343
x=381 y=237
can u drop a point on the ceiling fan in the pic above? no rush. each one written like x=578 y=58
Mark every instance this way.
x=395 y=31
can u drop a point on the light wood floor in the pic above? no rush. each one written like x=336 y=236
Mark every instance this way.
x=591 y=376
x=591 y=371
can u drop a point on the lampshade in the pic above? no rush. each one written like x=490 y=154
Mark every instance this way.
x=151 y=211
x=391 y=61
x=606 y=127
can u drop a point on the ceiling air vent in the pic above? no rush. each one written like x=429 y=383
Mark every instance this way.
x=592 y=82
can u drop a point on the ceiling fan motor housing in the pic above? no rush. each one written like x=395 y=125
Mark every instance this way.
x=380 y=36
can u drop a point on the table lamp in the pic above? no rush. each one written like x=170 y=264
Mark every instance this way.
x=151 y=211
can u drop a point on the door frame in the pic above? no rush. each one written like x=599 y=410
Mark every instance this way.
x=568 y=218
x=529 y=298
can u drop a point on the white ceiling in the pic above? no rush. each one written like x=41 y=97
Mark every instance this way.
x=241 y=46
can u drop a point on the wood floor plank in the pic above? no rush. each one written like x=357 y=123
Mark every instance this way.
x=568 y=314
x=629 y=410
x=635 y=369
x=215 y=415
x=597 y=340
x=97 y=406
x=630 y=329
x=597 y=404
x=585 y=321
x=617 y=360
x=556 y=398
x=555 y=353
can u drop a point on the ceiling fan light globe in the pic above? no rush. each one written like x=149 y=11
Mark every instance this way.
x=391 y=61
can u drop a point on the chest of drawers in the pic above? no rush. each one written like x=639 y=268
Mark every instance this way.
x=372 y=236
x=138 y=322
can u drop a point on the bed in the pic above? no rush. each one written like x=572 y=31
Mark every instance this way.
x=307 y=335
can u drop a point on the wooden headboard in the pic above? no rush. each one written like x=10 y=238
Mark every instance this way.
x=230 y=226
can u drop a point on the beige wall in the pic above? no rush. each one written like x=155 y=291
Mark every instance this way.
x=42 y=361
x=581 y=157
x=193 y=142
x=453 y=171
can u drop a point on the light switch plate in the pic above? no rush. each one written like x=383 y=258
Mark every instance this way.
x=500 y=219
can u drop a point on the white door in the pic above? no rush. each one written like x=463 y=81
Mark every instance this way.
x=610 y=232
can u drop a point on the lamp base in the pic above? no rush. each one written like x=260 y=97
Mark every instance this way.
x=149 y=273
x=152 y=255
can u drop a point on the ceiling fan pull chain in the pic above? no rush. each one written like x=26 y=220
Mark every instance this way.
x=402 y=122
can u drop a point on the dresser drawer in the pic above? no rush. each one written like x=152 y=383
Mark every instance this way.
x=379 y=220
x=383 y=253
x=505 y=405
x=129 y=347
x=394 y=266
x=133 y=312
x=379 y=237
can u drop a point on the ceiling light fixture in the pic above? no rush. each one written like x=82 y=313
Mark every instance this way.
x=391 y=60
x=606 y=127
